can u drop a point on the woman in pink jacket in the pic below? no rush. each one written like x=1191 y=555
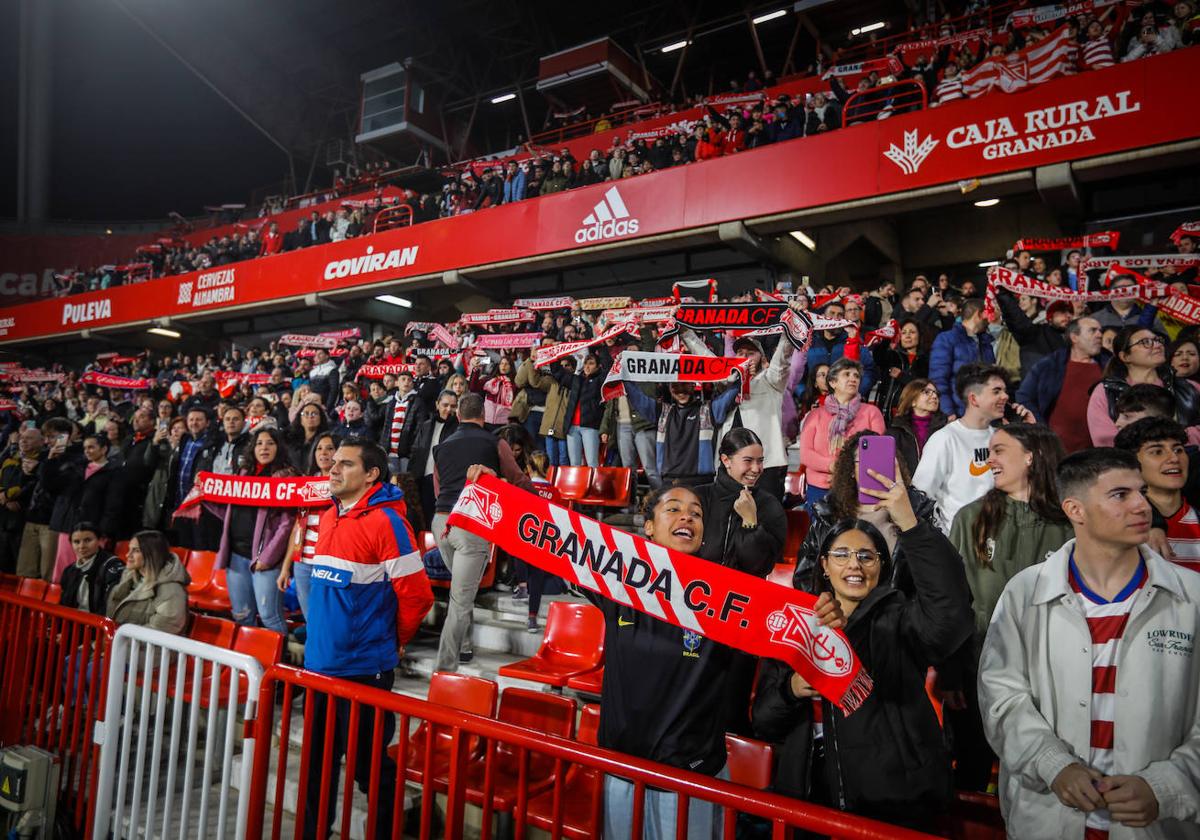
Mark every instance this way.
x=828 y=426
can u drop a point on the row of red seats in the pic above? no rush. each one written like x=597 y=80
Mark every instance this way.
x=750 y=761
x=34 y=588
x=593 y=486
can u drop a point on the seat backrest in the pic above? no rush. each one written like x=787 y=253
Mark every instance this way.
x=797 y=530
x=33 y=588
x=611 y=485
x=199 y=565
x=750 y=761
x=782 y=574
x=9 y=583
x=552 y=714
x=53 y=594
x=464 y=692
x=264 y=645
x=211 y=630
x=589 y=724
x=574 y=634
x=121 y=549
x=572 y=483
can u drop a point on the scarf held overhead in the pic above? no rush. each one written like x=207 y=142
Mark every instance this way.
x=259 y=491
x=730 y=607
x=640 y=366
x=108 y=380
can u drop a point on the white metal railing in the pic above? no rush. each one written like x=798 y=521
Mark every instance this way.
x=154 y=678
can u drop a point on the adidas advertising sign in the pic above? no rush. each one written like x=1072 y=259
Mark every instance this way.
x=608 y=219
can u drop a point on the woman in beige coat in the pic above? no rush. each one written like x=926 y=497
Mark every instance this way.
x=153 y=591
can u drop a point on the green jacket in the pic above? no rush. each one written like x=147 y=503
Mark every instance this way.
x=162 y=606
x=1024 y=539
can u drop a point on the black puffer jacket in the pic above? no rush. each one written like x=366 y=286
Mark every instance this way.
x=95 y=499
x=754 y=550
x=104 y=574
x=889 y=759
x=824 y=520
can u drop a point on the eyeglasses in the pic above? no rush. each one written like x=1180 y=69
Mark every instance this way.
x=1151 y=341
x=865 y=557
x=930 y=392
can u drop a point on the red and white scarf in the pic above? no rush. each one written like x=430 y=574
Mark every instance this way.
x=381 y=370
x=497 y=316
x=1181 y=307
x=259 y=491
x=108 y=380
x=640 y=366
x=299 y=340
x=1145 y=262
x=560 y=302
x=1103 y=239
x=508 y=341
x=440 y=334
x=548 y=355
x=708 y=287
x=1191 y=229
x=342 y=335
x=730 y=607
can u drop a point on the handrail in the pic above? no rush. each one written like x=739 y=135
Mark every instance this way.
x=582 y=129
x=987 y=17
x=781 y=810
x=892 y=98
x=393 y=217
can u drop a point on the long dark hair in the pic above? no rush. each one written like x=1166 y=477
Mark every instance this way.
x=282 y=465
x=811 y=394
x=738 y=439
x=1047 y=450
x=156 y=553
x=924 y=336
x=820 y=581
x=843 y=484
x=310 y=460
x=1117 y=369
x=295 y=431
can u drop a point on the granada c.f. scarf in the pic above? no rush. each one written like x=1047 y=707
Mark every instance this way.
x=640 y=366
x=260 y=491
x=722 y=604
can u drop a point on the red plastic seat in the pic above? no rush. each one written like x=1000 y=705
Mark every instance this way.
x=33 y=588
x=581 y=806
x=214 y=597
x=121 y=549
x=264 y=645
x=573 y=645
x=475 y=695
x=211 y=630
x=750 y=761
x=551 y=714
x=797 y=530
x=782 y=574
x=976 y=816
x=610 y=487
x=53 y=594
x=199 y=565
x=572 y=483
x=9 y=583
x=588 y=683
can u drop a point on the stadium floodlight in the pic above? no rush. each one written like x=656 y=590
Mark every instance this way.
x=870 y=27
x=804 y=239
x=989 y=263
x=164 y=332
x=395 y=301
x=778 y=13
x=678 y=45
x=504 y=97
x=987 y=202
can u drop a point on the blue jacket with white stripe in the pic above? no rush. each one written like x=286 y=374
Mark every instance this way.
x=369 y=588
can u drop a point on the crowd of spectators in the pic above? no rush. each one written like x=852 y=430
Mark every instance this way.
x=986 y=493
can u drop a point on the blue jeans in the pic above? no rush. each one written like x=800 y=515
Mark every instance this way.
x=557 y=451
x=583 y=443
x=254 y=595
x=302 y=574
x=812 y=495
x=705 y=820
x=639 y=446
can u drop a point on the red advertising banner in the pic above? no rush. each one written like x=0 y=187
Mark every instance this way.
x=1100 y=112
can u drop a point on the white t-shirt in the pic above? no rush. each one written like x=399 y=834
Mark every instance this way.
x=953 y=470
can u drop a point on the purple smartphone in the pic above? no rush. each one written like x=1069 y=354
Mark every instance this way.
x=875 y=452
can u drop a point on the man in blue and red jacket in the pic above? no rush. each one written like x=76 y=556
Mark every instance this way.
x=369 y=595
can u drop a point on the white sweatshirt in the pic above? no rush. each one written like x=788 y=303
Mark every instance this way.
x=953 y=470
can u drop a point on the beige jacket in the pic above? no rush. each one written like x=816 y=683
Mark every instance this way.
x=162 y=606
x=1035 y=688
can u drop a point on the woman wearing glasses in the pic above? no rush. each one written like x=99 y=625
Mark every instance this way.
x=918 y=416
x=310 y=421
x=889 y=759
x=1139 y=357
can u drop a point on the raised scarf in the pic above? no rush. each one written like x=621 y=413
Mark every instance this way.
x=728 y=606
x=259 y=491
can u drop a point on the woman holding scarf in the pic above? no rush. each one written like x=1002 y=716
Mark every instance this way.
x=303 y=542
x=254 y=540
x=827 y=428
x=889 y=759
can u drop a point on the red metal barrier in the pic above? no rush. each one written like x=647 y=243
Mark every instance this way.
x=393 y=217
x=474 y=741
x=893 y=98
x=53 y=683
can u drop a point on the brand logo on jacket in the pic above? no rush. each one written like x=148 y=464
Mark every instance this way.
x=82 y=313
x=609 y=218
x=371 y=261
x=480 y=504
x=1171 y=642
x=691 y=643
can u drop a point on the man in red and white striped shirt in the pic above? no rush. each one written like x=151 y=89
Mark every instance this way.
x=1088 y=679
x=1097 y=49
x=1159 y=444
